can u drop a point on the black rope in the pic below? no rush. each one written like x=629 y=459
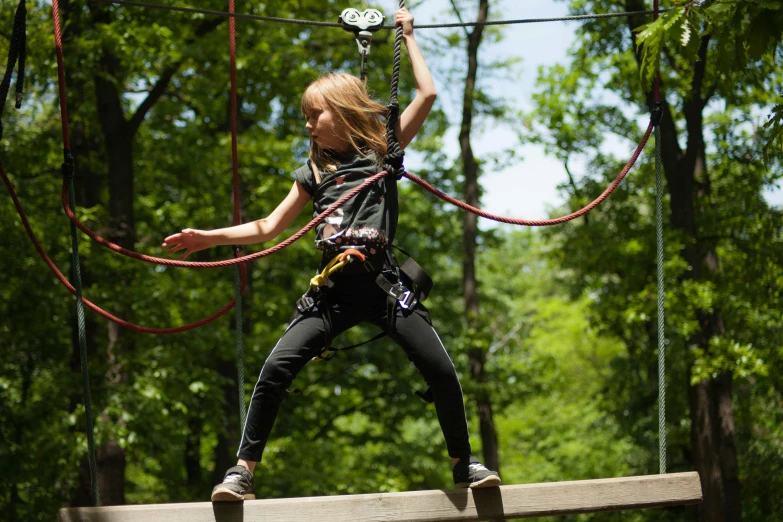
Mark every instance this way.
x=221 y=13
x=572 y=18
x=17 y=51
x=315 y=23
x=393 y=162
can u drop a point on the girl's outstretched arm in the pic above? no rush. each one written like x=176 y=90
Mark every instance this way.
x=192 y=240
x=414 y=115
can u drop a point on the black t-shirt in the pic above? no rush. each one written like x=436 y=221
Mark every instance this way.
x=368 y=219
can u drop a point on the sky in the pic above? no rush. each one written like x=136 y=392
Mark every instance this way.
x=527 y=189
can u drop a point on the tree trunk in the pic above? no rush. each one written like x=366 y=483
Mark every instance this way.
x=111 y=473
x=711 y=403
x=117 y=141
x=477 y=357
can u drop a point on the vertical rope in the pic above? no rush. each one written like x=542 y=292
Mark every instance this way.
x=661 y=333
x=240 y=347
x=661 y=289
x=394 y=153
x=68 y=168
x=68 y=172
x=237 y=217
x=396 y=67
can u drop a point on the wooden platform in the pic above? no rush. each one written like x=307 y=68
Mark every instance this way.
x=522 y=501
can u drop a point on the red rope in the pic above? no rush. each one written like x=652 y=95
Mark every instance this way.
x=96 y=308
x=58 y=44
x=323 y=215
x=66 y=148
x=544 y=222
x=228 y=262
x=170 y=262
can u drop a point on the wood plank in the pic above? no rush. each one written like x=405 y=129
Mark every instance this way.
x=519 y=501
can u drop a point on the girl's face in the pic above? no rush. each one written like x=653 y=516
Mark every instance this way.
x=324 y=129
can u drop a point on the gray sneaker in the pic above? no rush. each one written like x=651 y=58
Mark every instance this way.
x=470 y=473
x=237 y=485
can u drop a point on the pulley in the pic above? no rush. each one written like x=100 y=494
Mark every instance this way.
x=362 y=24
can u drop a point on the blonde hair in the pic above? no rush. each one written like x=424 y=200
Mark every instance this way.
x=346 y=97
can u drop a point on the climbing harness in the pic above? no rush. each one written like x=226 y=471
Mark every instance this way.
x=362 y=24
x=405 y=285
x=317 y=293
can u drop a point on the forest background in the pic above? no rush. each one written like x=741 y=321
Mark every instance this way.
x=553 y=331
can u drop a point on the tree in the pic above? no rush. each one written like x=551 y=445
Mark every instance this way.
x=714 y=181
x=746 y=31
x=470 y=166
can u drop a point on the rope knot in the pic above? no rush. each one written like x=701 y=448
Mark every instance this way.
x=393 y=162
x=656 y=114
x=69 y=165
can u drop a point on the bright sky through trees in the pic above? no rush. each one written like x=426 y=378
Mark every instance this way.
x=528 y=187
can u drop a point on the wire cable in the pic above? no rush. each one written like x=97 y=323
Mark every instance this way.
x=315 y=23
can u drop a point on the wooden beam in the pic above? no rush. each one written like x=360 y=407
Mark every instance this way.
x=521 y=501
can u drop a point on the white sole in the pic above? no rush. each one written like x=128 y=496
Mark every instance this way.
x=226 y=495
x=492 y=481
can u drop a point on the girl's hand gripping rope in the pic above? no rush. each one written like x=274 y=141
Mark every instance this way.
x=405 y=19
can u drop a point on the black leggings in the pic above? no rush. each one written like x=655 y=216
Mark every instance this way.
x=355 y=299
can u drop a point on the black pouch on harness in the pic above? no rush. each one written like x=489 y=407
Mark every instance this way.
x=406 y=286
x=416 y=279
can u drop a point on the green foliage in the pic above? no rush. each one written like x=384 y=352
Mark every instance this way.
x=743 y=32
x=725 y=355
x=672 y=25
x=775 y=126
x=610 y=255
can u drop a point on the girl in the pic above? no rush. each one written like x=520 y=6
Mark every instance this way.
x=347 y=145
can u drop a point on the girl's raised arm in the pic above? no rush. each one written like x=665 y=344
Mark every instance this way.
x=414 y=115
x=192 y=240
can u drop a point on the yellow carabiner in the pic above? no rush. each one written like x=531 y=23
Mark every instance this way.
x=322 y=278
x=334 y=265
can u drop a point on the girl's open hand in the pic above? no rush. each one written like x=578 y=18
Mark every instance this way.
x=190 y=240
x=405 y=19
